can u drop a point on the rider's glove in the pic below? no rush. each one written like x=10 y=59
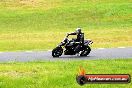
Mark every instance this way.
x=67 y=34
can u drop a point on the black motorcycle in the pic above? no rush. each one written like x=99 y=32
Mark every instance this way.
x=69 y=48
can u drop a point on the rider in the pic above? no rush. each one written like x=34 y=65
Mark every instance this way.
x=80 y=38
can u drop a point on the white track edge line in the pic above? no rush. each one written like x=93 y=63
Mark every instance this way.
x=28 y=51
x=121 y=47
x=51 y=50
x=100 y=48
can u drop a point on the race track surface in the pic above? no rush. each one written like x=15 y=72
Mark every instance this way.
x=102 y=53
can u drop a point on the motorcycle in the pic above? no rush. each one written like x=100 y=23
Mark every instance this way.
x=68 y=48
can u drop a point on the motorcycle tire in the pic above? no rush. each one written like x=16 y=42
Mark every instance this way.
x=86 y=51
x=57 y=52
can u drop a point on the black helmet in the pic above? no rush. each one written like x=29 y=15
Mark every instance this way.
x=78 y=30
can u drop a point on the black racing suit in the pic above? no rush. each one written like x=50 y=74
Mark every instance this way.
x=80 y=39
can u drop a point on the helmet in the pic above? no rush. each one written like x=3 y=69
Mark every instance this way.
x=78 y=30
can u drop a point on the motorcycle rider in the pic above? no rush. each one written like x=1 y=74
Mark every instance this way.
x=79 y=40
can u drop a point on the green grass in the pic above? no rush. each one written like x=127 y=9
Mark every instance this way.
x=42 y=24
x=59 y=73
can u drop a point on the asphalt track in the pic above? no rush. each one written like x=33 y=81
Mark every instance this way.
x=101 y=53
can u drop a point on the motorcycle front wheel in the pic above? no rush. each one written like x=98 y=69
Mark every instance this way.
x=57 y=52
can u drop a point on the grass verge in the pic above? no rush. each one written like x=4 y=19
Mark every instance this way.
x=48 y=40
x=42 y=24
x=58 y=74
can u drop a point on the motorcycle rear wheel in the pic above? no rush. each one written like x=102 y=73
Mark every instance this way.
x=86 y=51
